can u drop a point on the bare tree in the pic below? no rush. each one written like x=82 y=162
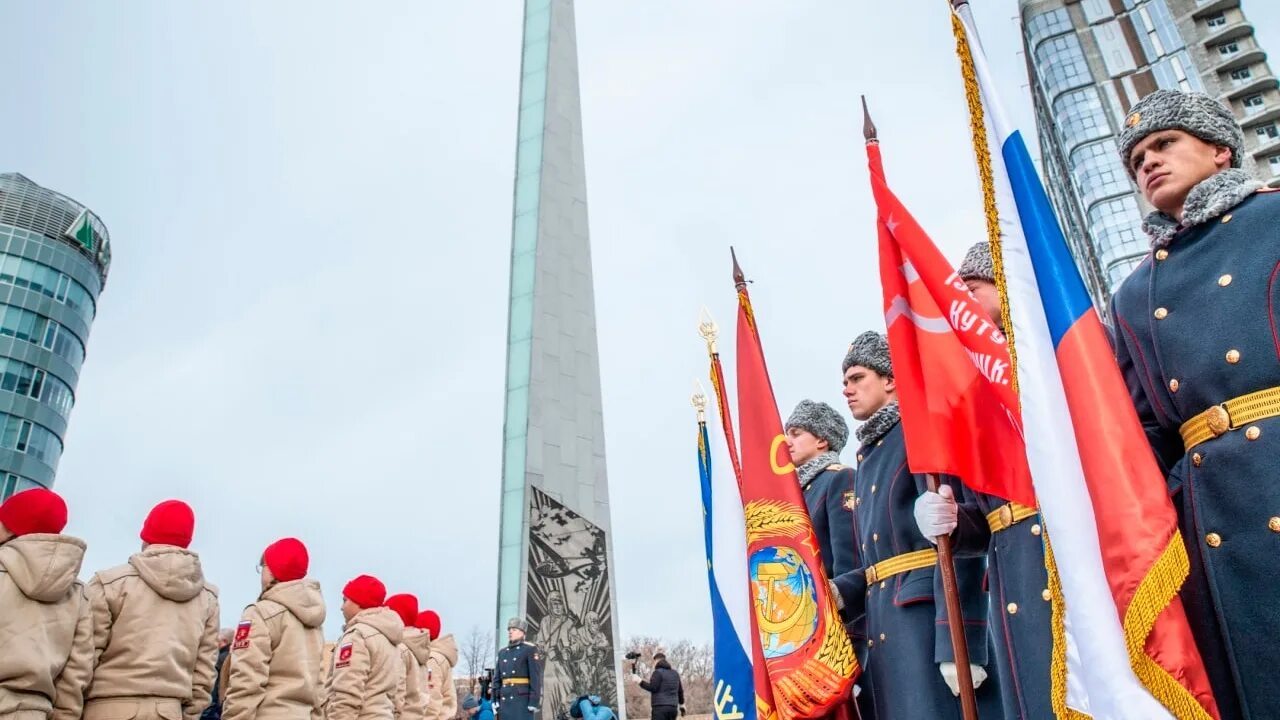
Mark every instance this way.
x=477 y=651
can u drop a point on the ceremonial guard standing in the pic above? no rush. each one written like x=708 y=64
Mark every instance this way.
x=910 y=670
x=518 y=682
x=1011 y=536
x=1196 y=337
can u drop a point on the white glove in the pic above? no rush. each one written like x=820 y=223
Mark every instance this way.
x=857 y=690
x=936 y=513
x=835 y=593
x=951 y=676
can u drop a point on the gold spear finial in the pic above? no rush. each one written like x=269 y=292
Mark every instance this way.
x=708 y=329
x=699 y=400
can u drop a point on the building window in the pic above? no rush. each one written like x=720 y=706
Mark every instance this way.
x=1252 y=106
x=31 y=275
x=1079 y=117
x=1274 y=162
x=30 y=381
x=1267 y=133
x=1230 y=48
x=1218 y=20
x=1061 y=65
x=29 y=438
x=37 y=329
x=1098 y=172
x=1171 y=73
x=1048 y=24
x=1095 y=10
x=1241 y=75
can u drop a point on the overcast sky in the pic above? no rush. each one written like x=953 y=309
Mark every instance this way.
x=310 y=204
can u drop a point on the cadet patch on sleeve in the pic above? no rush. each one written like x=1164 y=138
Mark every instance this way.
x=343 y=657
x=242 y=635
x=850 y=502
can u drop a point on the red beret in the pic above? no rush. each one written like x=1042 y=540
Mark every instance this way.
x=406 y=606
x=34 y=511
x=287 y=559
x=428 y=620
x=170 y=523
x=366 y=591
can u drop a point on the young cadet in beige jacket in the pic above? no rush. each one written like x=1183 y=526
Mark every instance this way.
x=155 y=627
x=46 y=633
x=414 y=649
x=442 y=698
x=275 y=653
x=366 y=662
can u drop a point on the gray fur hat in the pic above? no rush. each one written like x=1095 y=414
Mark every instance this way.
x=517 y=624
x=870 y=350
x=1194 y=113
x=823 y=421
x=977 y=264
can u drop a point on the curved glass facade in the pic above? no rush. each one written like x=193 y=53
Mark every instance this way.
x=54 y=259
x=1062 y=65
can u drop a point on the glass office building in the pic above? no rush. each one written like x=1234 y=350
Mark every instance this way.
x=1089 y=62
x=555 y=549
x=54 y=258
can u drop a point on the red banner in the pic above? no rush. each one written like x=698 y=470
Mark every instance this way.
x=960 y=413
x=803 y=658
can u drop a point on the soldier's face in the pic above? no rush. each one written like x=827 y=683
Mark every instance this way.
x=804 y=446
x=1167 y=164
x=989 y=298
x=866 y=391
x=514 y=635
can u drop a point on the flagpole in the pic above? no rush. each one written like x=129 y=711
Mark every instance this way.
x=709 y=331
x=946 y=557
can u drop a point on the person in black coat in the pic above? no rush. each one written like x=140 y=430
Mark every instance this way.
x=1195 y=335
x=665 y=687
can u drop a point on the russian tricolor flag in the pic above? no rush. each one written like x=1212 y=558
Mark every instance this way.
x=726 y=539
x=1121 y=642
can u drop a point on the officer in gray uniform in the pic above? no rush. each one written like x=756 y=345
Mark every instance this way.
x=1011 y=536
x=517 y=684
x=1195 y=334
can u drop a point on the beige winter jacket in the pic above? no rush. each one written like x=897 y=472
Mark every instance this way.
x=46 y=632
x=442 y=698
x=155 y=630
x=366 y=668
x=414 y=651
x=275 y=656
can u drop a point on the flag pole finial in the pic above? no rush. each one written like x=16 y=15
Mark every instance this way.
x=868 y=127
x=739 y=280
x=699 y=400
x=708 y=329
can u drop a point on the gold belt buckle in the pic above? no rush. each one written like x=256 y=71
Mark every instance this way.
x=1219 y=420
x=872 y=575
x=1006 y=514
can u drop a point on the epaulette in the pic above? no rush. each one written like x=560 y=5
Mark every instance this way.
x=1268 y=189
x=837 y=467
x=526 y=642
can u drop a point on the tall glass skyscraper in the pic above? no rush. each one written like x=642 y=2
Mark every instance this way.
x=54 y=258
x=556 y=550
x=1089 y=62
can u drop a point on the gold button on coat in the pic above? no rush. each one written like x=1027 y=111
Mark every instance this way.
x=1226 y=218
x=859 y=457
x=1162 y=254
x=1196 y=459
x=1253 y=433
x=1162 y=313
x=873 y=488
x=1274 y=524
x=875 y=537
x=1047 y=597
x=1035 y=529
x=1174 y=385
x=1213 y=539
x=1012 y=608
x=881 y=637
x=1233 y=356
x=1224 y=281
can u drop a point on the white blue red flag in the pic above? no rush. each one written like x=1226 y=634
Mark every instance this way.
x=1116 y=562
x=726 y=539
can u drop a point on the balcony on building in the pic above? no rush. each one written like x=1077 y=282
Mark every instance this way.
x=1205 y=8
x=1252 y=117
x=1234 y=30
x=1247 y=55
x=1260 y=80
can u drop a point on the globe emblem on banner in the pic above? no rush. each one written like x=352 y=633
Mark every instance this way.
x=786 y=602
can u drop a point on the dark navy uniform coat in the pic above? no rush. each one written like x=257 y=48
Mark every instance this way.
x=1196 y=325
x=518 y=661
x=908 y=634
x=1020 y=611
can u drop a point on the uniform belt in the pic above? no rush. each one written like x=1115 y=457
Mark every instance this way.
x=1230 y=415
x=1008 y=515
x=515 y=681
x=899 y=564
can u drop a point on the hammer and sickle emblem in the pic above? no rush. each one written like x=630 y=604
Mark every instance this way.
x=773 y=458
x=771 y=573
